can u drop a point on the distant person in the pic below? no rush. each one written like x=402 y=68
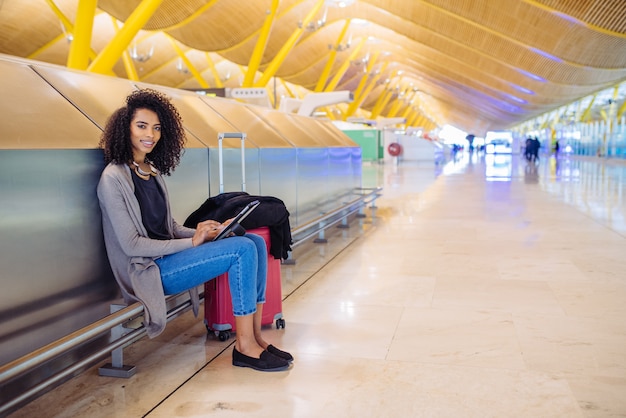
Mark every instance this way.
x=470 y=141
x=150 y=253
x=536 y=145
x=528 y=148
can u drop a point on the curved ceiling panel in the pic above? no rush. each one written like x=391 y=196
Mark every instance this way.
x=476 y=64
x=169 y=14
x=221 y=27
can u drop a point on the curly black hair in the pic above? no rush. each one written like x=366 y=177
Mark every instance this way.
x=115 y=139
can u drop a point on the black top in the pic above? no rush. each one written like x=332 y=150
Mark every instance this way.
x=153 y=208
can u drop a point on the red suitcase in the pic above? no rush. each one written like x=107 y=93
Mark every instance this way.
x=218 y=307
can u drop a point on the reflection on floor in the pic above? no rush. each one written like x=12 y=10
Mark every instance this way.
x=486 y=287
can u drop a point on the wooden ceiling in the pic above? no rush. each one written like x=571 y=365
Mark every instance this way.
x=476 y=64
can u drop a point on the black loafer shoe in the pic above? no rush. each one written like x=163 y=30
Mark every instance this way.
x=280 y=353
x=266 y=363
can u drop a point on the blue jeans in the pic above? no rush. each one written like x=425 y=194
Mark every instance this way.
x=244 y=258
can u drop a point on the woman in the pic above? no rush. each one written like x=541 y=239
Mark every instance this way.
x=151 y=255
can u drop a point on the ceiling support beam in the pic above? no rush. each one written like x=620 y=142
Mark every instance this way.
x=397 y=104
x=587 y=113
x=344 y=67
x=331 y=59
x=216 y=74
x=129 y=66
x=259 y=48
x=78 y=57
x=358 y=93
x=407 y=110
x=107 y=58
x=64 y=20
x=358 y=101
x=621 y=110
x=409 y=103
x=413 y=119
x=192 y=69
x=420 y=121
x=384 y=98
x=382 y=101
x=278 y=60
x=68 y=28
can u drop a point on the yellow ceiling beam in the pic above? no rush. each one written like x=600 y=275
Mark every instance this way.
x=407 y=110
x=284 y=84
x=278 y=60
x=397 y=104
x=192 y=69
x=384 y=98
x=259 y=48
x=420 y=121
x=216 y=74
x=408 y=116
x=587 y=113
x=48 y=45
x=358 y=93
x=382 y=101
x=344 y=67
x=605 y=117
x=78 y=57
x=331 y=59
x=362 y=95
x=107 y=58
x=409 y=103
x=68 y=28
x=621 y=110
x=129 y=66
x=417 y=120
x=413 y=119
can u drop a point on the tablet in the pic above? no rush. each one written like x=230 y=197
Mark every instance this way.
x=240 y=217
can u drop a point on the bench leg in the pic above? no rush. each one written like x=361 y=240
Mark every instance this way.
x=117 y=368
x=321 y=237
x=344 y=222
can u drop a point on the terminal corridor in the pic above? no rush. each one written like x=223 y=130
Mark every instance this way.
x=483 y=287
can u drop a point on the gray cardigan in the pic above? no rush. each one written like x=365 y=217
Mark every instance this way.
x=131 y=252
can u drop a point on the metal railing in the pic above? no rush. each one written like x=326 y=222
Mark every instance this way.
x=318 y=225
x=123 y=315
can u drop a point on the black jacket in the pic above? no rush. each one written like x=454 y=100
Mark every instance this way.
x=272 y=213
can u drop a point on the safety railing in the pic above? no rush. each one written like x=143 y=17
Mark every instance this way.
x=317 y=226
x=122 y=320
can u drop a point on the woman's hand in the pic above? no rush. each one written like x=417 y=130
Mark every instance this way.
x=206 y=231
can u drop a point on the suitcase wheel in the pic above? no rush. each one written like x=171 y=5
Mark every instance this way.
x=280 y=323
x=223 y=335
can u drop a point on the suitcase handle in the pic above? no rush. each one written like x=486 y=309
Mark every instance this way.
x=220 y=140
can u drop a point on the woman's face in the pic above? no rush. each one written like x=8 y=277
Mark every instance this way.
x=145 y=132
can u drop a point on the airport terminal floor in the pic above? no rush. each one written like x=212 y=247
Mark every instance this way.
x=484 y=287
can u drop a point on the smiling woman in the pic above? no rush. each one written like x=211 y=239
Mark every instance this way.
x=151 y=255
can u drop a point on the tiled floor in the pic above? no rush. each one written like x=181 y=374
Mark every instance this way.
x=483 y=288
